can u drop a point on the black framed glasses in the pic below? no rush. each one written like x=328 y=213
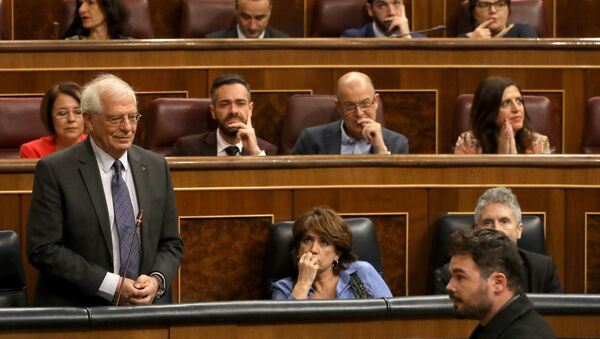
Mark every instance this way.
x=498 y=5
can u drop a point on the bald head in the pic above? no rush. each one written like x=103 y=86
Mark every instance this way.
x=354 y=82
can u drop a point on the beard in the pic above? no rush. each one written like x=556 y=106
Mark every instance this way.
x=224 y=124
x=382 y=26
x=478 y=307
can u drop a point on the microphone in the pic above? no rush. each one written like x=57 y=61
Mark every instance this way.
x=138 y=225
x=432 y=29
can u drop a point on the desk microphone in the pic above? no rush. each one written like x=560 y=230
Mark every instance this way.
x=432 y=29
x=138 y=225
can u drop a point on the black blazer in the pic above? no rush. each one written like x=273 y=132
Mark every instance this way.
x=68 y=231
x=518 y=319
x=231 y=33
x=205 y=144
x=327 y=139
x=540 y=277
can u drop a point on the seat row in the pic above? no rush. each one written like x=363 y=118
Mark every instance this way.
x=280 y=242
x=329 y=18
x=168 y=119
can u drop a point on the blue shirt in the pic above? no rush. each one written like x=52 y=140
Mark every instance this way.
x=376 y=287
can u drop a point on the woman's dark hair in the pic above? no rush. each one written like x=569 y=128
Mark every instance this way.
x=485 y=109
x=115 y=12
x=69 y=88
x=330 y=227
x=472 y=4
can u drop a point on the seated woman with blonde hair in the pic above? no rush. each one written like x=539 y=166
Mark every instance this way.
x=61 y=114
x=326 y=268
x=500 y=122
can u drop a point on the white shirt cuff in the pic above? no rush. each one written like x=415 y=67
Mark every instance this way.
x=109 y=286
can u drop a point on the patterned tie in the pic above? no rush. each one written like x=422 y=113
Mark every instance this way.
x=232 y=150
x=125 y=221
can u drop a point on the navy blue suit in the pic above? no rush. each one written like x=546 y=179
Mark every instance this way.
x=367 y=31
x=327 y=139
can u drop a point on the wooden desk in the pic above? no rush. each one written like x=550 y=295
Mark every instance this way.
x=226 y=206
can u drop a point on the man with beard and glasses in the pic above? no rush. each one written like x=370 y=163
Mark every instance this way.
x=231 y=107
x=486 y=286
x=389 y=21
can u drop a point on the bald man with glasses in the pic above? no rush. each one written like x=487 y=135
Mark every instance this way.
x=356 y=132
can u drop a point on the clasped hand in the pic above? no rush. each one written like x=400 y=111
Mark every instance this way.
x=139 y=292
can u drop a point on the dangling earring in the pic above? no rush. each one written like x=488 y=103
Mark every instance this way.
x=335 y=264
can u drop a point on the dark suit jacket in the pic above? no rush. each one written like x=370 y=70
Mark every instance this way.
x=367 y=31
x=518 y=320
x=540 y=275
x=327 y=139
x=68 y=232
x=205 y=144
x=231 y=33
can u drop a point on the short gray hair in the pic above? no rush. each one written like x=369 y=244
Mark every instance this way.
x=104 y=86
x=500 y=195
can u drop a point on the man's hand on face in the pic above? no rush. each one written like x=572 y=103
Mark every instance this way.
x=248 y=136
x=371 y=132
x=398 y=22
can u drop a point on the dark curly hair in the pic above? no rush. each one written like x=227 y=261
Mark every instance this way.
x=117 y=18
x=329 y=226
x=486 y=105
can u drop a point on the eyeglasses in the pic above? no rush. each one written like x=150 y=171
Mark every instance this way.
x=348 y=107
x=498 y=5
x=118 y=120
x=64 y=113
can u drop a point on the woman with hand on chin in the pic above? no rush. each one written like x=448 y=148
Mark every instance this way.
x=326 y=268
x=489 y=19
x=500 y=122
x=98 y=20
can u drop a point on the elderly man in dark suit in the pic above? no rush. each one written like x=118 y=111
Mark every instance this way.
x=252 y=20
x=498 y=208
x=82 y=233
x=486 y=286
x=357 y=132
x=231 y=107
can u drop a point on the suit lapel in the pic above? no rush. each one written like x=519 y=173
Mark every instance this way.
x=93 y=184
x=333 y=138
x=209 y=144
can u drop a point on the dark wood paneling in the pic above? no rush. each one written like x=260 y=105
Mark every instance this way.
x=414 y=115
x=577 y=203
x=592 y=253
x=224 y=258
x=288 y=16
x=36 y=82
x=577 y=18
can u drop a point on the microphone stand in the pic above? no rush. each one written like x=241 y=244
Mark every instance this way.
x=432 y=29
x=138 y=225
